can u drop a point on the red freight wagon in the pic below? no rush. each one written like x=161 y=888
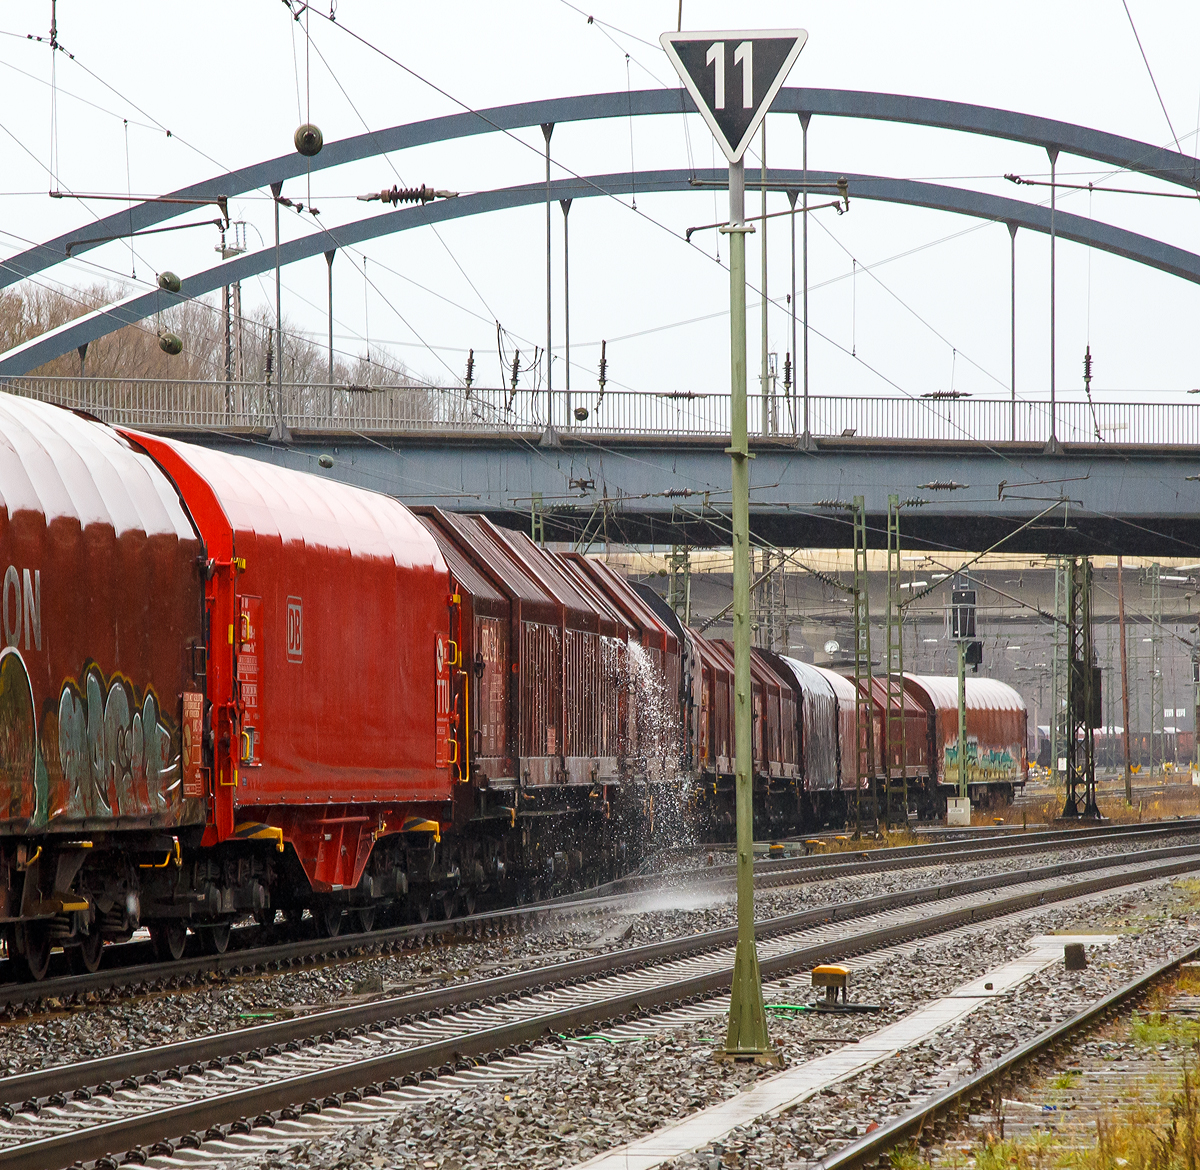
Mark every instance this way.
x=775 y=752
x=844 y=693
x=616 y=636
x=773 y=704
x=330 y=658
x=784 y=709
x=915 y=747
x=996 y=731
x=564 y=657
x=482 y=684
x=654 y=669
x=102 y=610
x=713 y=716
x=101 y=680
x=818 y=724
x=594 y=643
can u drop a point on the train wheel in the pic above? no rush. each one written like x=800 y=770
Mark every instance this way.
x=32 y=940
x=215 y=939
x=363 y=919
x=469 y=902
x=169 y=939
x=423 y=910
x=85 y=958
x=329 y=919
x=449 y=905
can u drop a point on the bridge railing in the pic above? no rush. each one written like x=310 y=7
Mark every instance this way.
x=398 y=410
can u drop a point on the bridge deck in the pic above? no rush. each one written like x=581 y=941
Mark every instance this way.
x=654 y=469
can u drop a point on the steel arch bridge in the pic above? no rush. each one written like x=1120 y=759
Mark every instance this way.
x=1130 y=154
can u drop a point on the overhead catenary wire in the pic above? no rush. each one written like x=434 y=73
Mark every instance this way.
x=387 y=158
x=61 y=92
x=129 y=189
x=904 y=304
x=1153 y=82
x=54 y=159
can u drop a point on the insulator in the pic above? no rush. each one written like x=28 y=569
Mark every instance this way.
x=470 y=378
x=308 y=139
x=603 y=365
x=170 y=343
x=516 y=368
x=169 y=282
x=787 y=370
x=398 y=195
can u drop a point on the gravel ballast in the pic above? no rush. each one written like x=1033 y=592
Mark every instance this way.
x=600 y=1095
x=117 y=1022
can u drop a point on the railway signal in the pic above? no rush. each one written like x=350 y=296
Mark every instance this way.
x=733 y=76
x=970 y=653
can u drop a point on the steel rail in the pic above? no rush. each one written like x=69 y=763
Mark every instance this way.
x=876 y=1145
x=869 y=860
x=603 y=899
x=365 y=1076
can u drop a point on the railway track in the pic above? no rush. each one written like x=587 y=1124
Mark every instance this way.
x=131 y=972
x=948 y=851
x=275 y=1074
x=973 y=1093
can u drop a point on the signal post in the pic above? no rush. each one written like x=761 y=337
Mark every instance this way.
x=733 y=77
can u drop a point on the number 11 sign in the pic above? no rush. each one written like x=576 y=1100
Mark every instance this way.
x=733 y=77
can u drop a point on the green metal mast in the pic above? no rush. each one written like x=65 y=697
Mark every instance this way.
x=895 y=770
x=747 y=1036
x=1158 y=735
x=864 y=704
x=962 y=717
x=679 y=582
x=1080 y=742
x=1058 y=676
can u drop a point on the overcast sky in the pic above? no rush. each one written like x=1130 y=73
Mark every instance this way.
x=231 y=83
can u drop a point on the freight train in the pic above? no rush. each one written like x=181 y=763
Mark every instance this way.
x=230 y=690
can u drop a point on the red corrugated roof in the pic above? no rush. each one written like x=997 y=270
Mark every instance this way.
x=300 y=508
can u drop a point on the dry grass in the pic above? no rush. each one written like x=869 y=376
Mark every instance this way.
x=1156 y=1126
x=846 y=842
x=1046 y=807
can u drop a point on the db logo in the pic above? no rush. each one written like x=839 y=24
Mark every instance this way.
x=295 y=629
x=441 y=654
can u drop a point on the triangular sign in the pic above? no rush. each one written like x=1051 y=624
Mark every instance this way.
x=733 y=77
